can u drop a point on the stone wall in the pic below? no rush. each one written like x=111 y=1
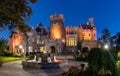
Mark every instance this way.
x=90 y=44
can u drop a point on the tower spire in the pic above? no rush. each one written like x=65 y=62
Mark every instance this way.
x=91 y=21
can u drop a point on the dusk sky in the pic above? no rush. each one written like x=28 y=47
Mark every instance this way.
x=106 y=13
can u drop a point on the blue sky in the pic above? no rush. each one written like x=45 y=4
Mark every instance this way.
x=106 y=13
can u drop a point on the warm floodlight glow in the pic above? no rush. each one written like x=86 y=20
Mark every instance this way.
x=63 y=40
x=20 y=46
x=106 y=47
x=56 y=32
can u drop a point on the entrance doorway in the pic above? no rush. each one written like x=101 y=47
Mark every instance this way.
x=52 y=49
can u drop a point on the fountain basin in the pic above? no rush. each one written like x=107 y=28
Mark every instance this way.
x=58 y=63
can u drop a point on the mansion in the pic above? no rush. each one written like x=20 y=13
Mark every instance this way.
x=57 y=39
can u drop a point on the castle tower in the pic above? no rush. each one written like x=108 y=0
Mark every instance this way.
x=56 y=26
x=93 y=30
x=15 y=40
x=87 y=31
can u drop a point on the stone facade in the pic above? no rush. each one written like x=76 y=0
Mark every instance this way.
x=59 y=38
x=57 y=26
x=90 y=44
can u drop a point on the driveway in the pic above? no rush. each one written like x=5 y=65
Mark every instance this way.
x=15 y=69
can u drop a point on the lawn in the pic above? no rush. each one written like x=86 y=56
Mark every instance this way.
x=9 y=59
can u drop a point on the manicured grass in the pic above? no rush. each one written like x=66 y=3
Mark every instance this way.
x=9 y=59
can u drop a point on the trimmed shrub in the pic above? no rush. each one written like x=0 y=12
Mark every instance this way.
x=17 y=54
x=84 y=55
x=7 y=53
x=31 y=55
x=101 y=62
x=65 y=53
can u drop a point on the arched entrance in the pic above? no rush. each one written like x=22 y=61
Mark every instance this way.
x=52 y=49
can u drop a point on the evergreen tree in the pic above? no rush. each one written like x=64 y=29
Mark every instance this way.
x=3 y=45
x=118 y=41
x=105 y=36
x=113 y=41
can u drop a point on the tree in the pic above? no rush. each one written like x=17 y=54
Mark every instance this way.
x=85 y=52
x=113 y=41
x=105 y=36
x=101 y=63
x=14 y=13
x=118 y=41
x=95 y=60
x=3 y=44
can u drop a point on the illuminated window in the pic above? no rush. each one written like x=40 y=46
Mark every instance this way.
x=42 y=42
x=30 y=49
x=38 y=41
x=71 y=42
x=42 y=48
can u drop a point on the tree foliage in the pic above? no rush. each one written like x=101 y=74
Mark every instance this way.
x=118 y=41
x=14 y=13
x=101 y=62
x=105 y=36
x=95 y=59
x=113 y=41
x=3 y=44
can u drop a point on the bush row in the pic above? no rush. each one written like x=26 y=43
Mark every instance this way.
x=8 y=53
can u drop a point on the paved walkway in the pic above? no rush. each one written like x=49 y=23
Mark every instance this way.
x=15 y=69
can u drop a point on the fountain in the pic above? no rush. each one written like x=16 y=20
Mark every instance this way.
x=44 y=60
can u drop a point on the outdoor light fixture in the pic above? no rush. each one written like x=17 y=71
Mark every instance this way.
x=20 y=46
x=106 y=46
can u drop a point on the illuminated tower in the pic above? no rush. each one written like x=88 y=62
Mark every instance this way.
x=87 y=31
x=93 y=31
x=57 y=26
x=15 y=40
